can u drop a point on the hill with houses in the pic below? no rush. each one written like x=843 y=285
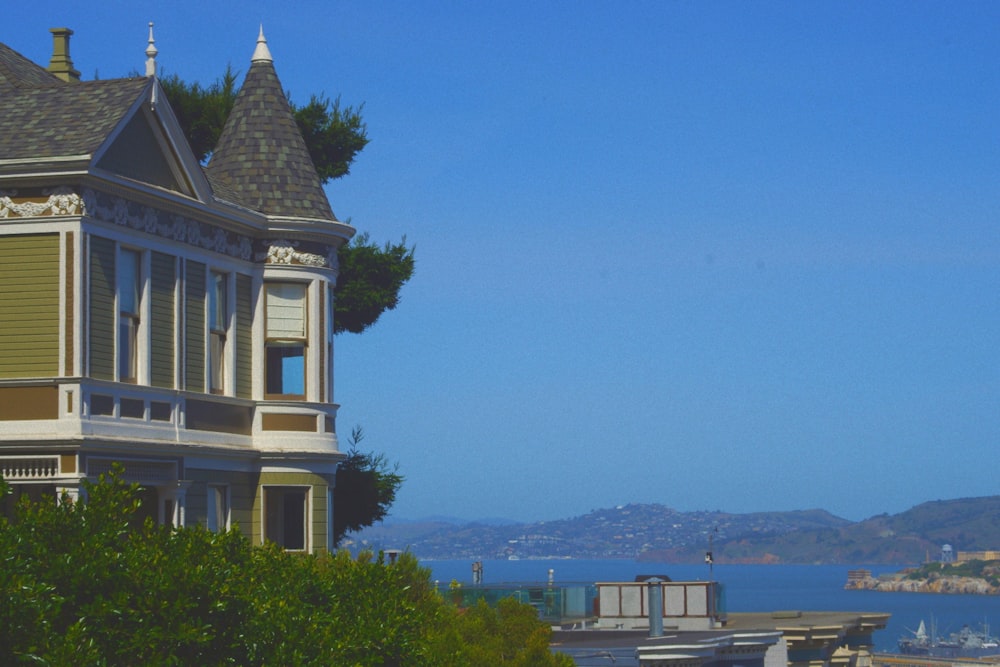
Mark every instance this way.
x=653 y=532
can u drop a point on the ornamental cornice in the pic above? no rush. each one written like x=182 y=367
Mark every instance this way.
x=284 y=251
x=150 y=220
x=60 y=201
x=120 y=211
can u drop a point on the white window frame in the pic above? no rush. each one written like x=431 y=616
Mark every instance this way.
x=282 y=331
x=213 y=493
x=329 y=341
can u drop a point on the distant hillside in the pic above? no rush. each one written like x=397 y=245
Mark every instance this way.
x=659 y=533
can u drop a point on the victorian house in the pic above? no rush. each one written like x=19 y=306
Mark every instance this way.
x=168 y=317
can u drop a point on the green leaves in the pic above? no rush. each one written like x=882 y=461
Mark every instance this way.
x=369 y=281
x=365 y=490
x=78 y=586
x=333 y=135
x=201 y=110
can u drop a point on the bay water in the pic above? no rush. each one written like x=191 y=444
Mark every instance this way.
x=758 y=588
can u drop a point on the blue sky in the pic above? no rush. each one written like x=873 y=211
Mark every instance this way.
x=716 y=255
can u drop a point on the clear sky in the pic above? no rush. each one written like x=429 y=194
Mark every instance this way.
x=717 y=255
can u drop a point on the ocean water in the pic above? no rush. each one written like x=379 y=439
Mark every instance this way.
x=760 y=588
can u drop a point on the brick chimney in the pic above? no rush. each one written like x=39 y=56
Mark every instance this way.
x=61 y=64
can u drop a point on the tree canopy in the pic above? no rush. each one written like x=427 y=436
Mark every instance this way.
x=369 y=282
x=82 y=585
x=366 y=488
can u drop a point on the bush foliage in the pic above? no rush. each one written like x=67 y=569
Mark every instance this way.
x=80 y=584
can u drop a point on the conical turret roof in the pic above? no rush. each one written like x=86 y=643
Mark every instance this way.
x=261 y=159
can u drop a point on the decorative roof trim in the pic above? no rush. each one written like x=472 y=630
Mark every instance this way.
x=110 y=208
x=261 y=53
x=61 y=201
x=120 y=211
x=283 y=251
x=47 y=160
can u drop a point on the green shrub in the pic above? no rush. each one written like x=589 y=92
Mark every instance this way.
x=80 y=585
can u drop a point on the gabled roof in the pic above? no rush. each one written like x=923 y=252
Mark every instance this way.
x=261 y=159
x=17 y=72
x=39 y=123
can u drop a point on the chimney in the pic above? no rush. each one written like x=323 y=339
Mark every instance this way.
x=61 y=65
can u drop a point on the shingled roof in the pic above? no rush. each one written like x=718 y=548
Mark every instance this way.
x=45 y=122
x=261 y=159
x=17 y=72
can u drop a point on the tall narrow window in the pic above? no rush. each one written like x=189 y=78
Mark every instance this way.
x=218 y=324
x=285 y=341
x=129 y=298
x=285 y=514
x=218 y=508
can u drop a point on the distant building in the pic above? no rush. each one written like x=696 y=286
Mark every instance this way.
x=947 y=554
x=171 y=318
x=966 y=556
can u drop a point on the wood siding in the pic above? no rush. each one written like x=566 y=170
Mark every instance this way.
x=102 y=308
x=194 y=327
x=29 y=306
x=162 y=326
x=317 y=500
x=244 y=335
x=69 y=317
x=242 y=490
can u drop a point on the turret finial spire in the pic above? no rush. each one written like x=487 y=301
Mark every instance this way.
x=261 y=53
x=151 y=54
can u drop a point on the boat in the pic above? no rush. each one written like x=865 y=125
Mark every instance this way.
x=966 y=643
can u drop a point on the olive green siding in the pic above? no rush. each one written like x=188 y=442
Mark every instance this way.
x=242 y=489
x=194 y=327
x=161 y=353
x=102 y=308
x=29 y=306
x=317 y=503
x=244 y=336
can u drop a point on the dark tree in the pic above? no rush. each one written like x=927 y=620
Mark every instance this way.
x=334 y=135
x=366 y=488
x=369 y=281
x=201 y=110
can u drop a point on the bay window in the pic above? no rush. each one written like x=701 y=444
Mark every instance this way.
x=285 y=340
